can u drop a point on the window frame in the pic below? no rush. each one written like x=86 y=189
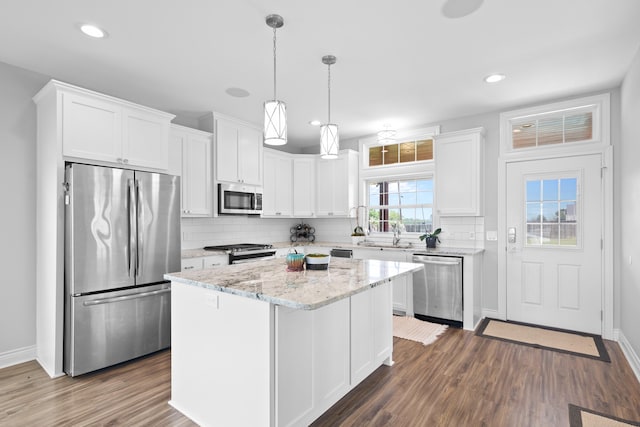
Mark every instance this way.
x=597 y=104
x=416 y=234
x=422 y=169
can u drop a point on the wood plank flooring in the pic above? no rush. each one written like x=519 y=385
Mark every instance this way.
x=461 y=380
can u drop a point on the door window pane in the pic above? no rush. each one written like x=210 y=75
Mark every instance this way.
x=551 y=213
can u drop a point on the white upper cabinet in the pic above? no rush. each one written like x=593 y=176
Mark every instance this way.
x=337 y=185
x=304 y=186
x=458 y=172
x=197 y=180
x=238 y=152
x=105 y=129
x=277 y=185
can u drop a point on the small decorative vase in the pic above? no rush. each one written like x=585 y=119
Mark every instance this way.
x=431 y=242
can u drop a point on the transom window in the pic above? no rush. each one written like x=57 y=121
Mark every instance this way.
x=551 y=209
x=403 y=152
x=403 y=204
x=563 y=127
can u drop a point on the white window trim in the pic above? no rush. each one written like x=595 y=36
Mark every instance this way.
x=602 y=147
x=380 y=235
x=401 y=136
x=599 y=140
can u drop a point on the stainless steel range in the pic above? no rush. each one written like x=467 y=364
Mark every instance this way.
x=245 y=252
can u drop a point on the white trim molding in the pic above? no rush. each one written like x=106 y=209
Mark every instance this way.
x=19 y=355
x=629 y=353
x=600 y=144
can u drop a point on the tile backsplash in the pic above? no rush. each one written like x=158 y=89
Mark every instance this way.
x=457 y=232
x=462 y=232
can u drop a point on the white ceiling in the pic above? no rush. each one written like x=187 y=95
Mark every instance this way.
x=401 y=62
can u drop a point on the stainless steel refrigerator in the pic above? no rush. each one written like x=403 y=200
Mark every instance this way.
x=122 y=234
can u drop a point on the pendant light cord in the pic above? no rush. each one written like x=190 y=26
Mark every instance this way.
x=329 y=90
x=274 y=63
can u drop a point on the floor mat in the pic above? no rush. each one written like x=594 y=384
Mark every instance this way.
x=575 y=343
x=413 y=329
x=582 y=417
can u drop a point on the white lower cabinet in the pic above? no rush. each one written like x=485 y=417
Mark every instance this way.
x=204 y=262
x=323 y=354
x=191 y=264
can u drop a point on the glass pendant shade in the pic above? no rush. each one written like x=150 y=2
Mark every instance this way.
x=275 y=123
x=386 y=136
x=329 y=141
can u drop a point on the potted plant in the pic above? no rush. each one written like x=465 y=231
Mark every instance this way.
x=431 y=238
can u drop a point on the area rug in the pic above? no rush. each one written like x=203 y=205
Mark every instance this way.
x=575 y=343
x=582 y=417
x=410 y=328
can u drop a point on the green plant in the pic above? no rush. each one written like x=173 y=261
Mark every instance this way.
x=432 y=235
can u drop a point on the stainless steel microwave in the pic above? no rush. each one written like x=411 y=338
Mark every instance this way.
x=239 y=199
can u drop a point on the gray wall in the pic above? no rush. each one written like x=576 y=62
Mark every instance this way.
x=629 y=213
x=18 y=206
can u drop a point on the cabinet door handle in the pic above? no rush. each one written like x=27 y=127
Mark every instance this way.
x=189 y=267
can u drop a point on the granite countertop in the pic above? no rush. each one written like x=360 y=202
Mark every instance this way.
x=307 y=290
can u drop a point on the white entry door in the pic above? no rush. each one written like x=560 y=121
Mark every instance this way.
x=554 y=262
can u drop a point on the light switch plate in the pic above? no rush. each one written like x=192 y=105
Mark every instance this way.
x=492 y=235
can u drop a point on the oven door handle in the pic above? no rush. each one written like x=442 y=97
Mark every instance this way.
x=248 y=260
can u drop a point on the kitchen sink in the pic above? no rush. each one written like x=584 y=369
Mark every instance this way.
x=401 y=245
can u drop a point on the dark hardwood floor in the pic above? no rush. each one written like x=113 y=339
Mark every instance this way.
x=461 y=380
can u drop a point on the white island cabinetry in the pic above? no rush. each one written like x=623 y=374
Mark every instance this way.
x=288 y=352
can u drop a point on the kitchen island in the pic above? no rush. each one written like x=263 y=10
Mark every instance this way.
x=253 y=344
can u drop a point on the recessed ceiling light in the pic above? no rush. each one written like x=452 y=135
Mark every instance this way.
x=315 y=122
x=237 y=92
x=93 y=31
x=517 y=130
x=495 y=78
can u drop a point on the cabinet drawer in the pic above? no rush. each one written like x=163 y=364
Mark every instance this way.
x=215 y=261
x=191 y=264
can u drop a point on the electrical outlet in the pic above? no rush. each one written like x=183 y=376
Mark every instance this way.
x=472 y=236
x=492 y=235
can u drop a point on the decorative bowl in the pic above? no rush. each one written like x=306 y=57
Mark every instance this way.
x=317 y=261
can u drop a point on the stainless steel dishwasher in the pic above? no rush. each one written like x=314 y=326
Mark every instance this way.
x=437 y=290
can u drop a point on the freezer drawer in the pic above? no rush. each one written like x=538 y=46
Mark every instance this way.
x=437 y=290
x=112 y=327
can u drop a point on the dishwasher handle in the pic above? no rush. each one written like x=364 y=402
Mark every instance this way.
x=439 y=260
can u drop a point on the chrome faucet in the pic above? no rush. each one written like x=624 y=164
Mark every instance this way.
x=396 y=235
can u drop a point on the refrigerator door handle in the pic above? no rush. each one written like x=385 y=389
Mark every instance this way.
x=139 y=228
x=132 y=226
x=124 y=298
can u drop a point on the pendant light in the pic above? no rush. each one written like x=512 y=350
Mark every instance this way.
x=329 y=140
x=387 y=135
x=275 y=112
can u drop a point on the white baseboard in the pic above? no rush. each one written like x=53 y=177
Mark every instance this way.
x=19 y=355
x=629 y=352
